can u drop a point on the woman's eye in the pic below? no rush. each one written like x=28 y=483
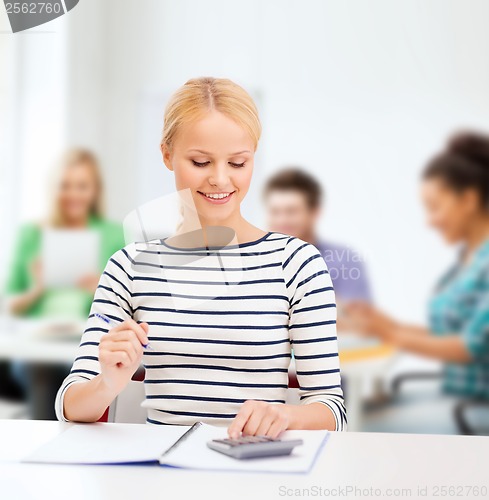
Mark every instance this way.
x=204 y=163
x=200 y=164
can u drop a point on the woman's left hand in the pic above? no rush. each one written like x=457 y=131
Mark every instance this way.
x=259 y=418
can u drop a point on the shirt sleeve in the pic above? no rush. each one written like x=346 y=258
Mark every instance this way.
x=113 y=299
x=363 y=289
x=475 y=334
x=312 y=327
x=18 y=278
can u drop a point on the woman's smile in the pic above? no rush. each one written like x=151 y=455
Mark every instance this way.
x=217 y=198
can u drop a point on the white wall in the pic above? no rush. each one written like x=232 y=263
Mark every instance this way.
x=361 y=93
x=32 y=123
x=7 y=175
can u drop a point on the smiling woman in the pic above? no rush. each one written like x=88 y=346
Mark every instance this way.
x=211 y=133
x=222 y=355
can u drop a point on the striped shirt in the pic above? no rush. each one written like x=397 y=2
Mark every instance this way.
x=223 y=324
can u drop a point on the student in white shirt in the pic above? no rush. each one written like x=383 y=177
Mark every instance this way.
x=222 y=355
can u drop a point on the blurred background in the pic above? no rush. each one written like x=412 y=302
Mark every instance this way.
x=360 y=95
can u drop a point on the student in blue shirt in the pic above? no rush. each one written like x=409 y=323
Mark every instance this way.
x=294 y=200
x=456 y=195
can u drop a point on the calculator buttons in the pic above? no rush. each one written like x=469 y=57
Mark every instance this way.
x=245 y=440
x=253 y=446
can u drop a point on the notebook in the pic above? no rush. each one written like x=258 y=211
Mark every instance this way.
x=169 y=445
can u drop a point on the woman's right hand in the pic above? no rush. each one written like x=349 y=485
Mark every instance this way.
x=121 y=352
x=20 y=303
x=367 y=320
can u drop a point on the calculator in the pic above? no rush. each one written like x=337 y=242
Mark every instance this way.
x=254 y=446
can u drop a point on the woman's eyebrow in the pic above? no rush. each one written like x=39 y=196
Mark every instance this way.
x=207 y=153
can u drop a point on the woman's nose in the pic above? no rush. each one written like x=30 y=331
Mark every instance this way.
x=219 y=176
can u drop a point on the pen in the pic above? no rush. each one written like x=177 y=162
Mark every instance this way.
x=182 y=438
x=109 y=321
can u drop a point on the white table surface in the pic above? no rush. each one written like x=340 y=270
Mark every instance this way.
x=26 y=340
x=356 y=460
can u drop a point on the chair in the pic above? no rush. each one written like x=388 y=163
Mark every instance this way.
x=461 y=409
x=406 y=377
x=126 y=408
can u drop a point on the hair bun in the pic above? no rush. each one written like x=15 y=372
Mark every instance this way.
x=473 y=146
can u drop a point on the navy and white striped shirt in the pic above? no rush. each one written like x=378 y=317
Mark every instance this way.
x=222 y=325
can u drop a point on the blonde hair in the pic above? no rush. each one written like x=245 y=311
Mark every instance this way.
x=70 y=158
x=200 y=95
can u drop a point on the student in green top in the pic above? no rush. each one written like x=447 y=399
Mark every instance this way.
x=76 y=203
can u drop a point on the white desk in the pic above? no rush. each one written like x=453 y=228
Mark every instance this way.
x=37 y=350
x=362 y=460
x=358 y=366
x=19 y=341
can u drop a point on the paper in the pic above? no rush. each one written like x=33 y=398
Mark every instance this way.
x=108 y=443
x=193 y=453
x=68 y=255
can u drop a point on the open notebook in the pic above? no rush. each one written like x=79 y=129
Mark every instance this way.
x=169 y=445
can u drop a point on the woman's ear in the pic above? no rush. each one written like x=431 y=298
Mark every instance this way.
x=166 y=155
x=316 y=213
x=473 y=200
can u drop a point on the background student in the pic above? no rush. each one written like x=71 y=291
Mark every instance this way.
x=294 y=203
x=76 y=203
x=455 y=191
